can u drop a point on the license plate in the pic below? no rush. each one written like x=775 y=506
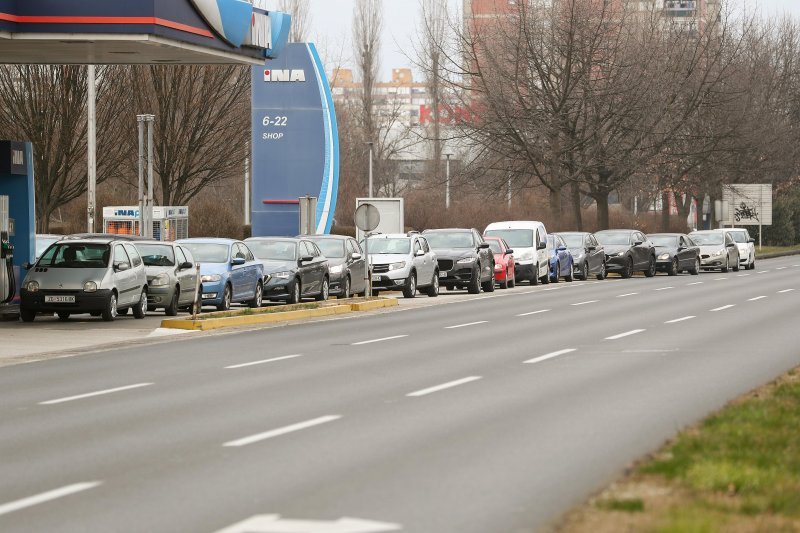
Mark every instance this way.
x=376 y=278
x=443 y=274
x=59 y=299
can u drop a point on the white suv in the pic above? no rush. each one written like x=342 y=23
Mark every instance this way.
x=746 y=246
x=403 y=262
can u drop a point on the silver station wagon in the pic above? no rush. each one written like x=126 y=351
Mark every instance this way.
x=100 y=276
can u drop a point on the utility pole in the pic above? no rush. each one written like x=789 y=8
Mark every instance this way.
x=91 y=189
x=146 y=199
x=370 y=144
x=447 y=183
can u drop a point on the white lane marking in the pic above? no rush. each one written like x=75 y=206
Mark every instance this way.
x=626 y=334
x=379 y=340
x=281 y=431
x=46 y=496
x=762 y=272
x=756 y=298
x=724 y=307
x=551 y=289
x=264 y=361
x=550 y=355
x=535 y=312
x=584 y=303
x=92 y=394
x=781 y=268
x=680 y=319
x=720 y=279
x=664 y=289
x=785 y=291
x=742 y=275
x=695 y=283
x=468 y=324
x=626 y=295
x=444 y=386
x=275 y=524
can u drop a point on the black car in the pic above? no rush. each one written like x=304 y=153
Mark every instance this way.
x=676 y=253
x=628 y=251
x=345 y=262
x=293 y=268
x=465 y=259
x=588 y=255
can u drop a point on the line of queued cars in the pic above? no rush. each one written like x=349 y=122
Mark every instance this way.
x=111 y=275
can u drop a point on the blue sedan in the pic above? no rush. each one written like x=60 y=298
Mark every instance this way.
x=229 y=272
x=561 y=261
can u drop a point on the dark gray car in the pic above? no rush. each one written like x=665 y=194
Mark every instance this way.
x=589 y=256
x=464 y=258
x=293 y=268
x=345 y=262
x=676 y=252
x=628 y=251
x=171 y=275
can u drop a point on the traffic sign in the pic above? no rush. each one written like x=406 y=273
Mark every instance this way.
x=367 y=217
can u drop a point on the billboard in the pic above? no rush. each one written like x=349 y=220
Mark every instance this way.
x=748 y=205
x=295 y=142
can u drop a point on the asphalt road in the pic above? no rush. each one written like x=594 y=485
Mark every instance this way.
x=490 y=414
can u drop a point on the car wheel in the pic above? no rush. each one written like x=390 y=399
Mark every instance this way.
x=695 y=270
x=324 y=294
x=506 y=283
x=64 y=316
x=294 y=297
x=140 y=309
x=727 y=266
x=628 y=272
x=585 y=271
x=535 y=279
x=554 y=279
x=511 y=276
x=110 y=312
x=489 y=285
x=474 y=286
x=673 y=268
x=27 y=315
x=571 y=276
x=651 y=268
x=226 y=299
x=172 y=308
x=433 y=290
x=346 y=291
x=603 y=273
x=753 y=264
x=736 y=266
x=410 y=288
x=258 y=298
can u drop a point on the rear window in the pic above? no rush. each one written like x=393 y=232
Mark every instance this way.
x=76 y=255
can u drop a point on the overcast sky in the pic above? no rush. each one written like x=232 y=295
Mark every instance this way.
x=331 y=22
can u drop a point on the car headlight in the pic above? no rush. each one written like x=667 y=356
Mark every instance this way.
x=32 y=286
x=160 y=281
x=718 y=253
x=283 y=275
x=466 y=260
x=663 y=257
x=618 y=254
x=337 y=269
x=90 y=286
x=213 y=278
x=397 y=266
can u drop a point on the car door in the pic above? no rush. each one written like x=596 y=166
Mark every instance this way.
x=485 y=254
x=311 y=278
x=430 y=260
x=187 y=277
x=254 y=270
x=320 y=263
x=592 y=254
x=238 y=272
x=137 y=268
x=542 y=256
x=640 y=251
x=125 y=280
x=357 y=266
x=733 y=251
x=685 y=253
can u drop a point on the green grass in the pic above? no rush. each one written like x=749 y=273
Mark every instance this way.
x=775 y=249
x=628 y=505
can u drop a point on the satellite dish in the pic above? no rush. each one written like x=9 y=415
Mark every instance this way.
x=367 y=217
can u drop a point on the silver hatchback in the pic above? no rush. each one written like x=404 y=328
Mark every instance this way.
x=100 y=276
x=171 y=276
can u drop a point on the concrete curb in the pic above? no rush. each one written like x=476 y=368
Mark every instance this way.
x=778 y=254
x=208 y=323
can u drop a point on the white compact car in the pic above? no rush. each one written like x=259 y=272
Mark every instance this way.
x=746 y=246
x=531 y=252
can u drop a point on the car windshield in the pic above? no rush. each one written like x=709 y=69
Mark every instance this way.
x=208 y=252
x=574 y=240
x=42 y=243
x=664 y=240
x=157 y=254
x=516 y=238
x=495 y=246
x=551 y=241
x=739 y=236
x=76 y=255
x=707 y=239
x=274 y=250
x=389 y=246
x=613 y=239
x=443 y=240
x=333 y=248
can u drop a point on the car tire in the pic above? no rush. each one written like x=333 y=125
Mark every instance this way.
x=571 y=276
x=673 y=267
x=695 y=270
x=603 y=274
x=140 y=309
x=346 y=290
x=651 y=268
x=628 y=272
x=226 y=299
x=505 y=283
x=585 y=271
x=727 y=266
x=27 y=315
x=258 y=298
x=753 y=264
x=324 y=294
x=295 y=296
x=172 y=308
x=512 y=282
x=474 y=286
x=110 y=311
x=64 y=316
x=558 y=273
x=433 y=290
x=535 y=279
x=489 y=285
x=736 y=267
x=410 y=287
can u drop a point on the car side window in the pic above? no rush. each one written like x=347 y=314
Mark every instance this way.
x=304 y=249
x=180 y=257
x=133 y=253
x=354 y=247
x=317 y=251
x=425 y=245
x=120 y=256
x=187 y=254
x=238 y=252
x=417 y=246
x=248 y=254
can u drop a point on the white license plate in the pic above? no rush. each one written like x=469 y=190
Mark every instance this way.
x=376 y=278
x=59 y=299
x=443 y=274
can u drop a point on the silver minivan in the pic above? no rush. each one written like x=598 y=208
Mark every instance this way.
x=100 y=276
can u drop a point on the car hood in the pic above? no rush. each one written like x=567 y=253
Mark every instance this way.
x=207 y=269
x=454 y=253
x=612 y=249
x=67 y=278
x=272 y=266
x=577 y=251
x=384 y=259
x=666 y=249
x=711 y=248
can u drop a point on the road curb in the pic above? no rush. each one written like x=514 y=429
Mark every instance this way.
x=250 y=317
x=778 y=254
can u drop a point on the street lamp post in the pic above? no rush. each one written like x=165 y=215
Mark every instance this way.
x=91 y=188
x=447 y=183
x=370 y=144
x=146 y=198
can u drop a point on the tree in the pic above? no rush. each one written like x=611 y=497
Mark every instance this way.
x=301 y=18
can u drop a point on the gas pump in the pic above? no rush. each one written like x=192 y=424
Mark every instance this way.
x=8 y=284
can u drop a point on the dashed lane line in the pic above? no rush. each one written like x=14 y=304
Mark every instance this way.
x=762 y=272
x=720 y=279
x=258 y=437
x=682 y=319
x=45 y=497
x=784 y=291
x=664 y=289
x=695 y=283
x=626 y=334
x=467 y=324
x=756 y=298
x=550 y=356
x=372 y=341
x=443 y=386
x=586 y=303
x=628 y=294
x=724 y=307
x=535 y=312
x=96 y=393
x=263 y=361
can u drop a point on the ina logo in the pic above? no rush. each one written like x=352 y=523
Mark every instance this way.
x=285 y=75
x=230 y=19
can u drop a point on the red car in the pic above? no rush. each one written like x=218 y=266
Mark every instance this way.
x=503 y=262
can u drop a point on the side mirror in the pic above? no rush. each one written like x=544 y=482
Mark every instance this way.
x=484 y=246
x=306 y=258
x=185 y=266
x=751 y=240
x=508 y=252
x=681 y=248
x=238 y=261
x=356 y=256
x=27 y=266
x=541 y=246
x=731 y=244
x=638 y=243
x=420 y=253
x=591 y=248
x=122 y=267
x=562 y=248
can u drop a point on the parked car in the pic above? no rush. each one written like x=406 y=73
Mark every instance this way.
x=561 y=262
x=628 y=251
x=171 y=275
x=717 y=250
x=403 y=262
x=503 y=262
x=229 y=272
x=346 y=263
x=589 y=256
x=675 y=253
x=746 y=245
x=43 y=242
x=529 y=241
x=293 y=268
x=465 y=260
x=98 y=276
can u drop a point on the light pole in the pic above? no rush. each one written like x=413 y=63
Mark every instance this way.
x=92 y=149
x=146 y=198
x=370 y=144
x=447 y=183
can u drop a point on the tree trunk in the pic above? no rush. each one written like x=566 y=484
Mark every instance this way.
x=575 y=200
x=555 y=204
x=665 y=197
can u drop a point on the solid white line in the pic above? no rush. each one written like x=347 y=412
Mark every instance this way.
x=626 y=334
x=92 y=394
x=664 y=289
x=785 y=291
x=629 y=294
x=724 y=307
x=443 y=386
x=378 y=340
x=281 y=431
x=534 y=312
x=467 y=325
x=680 y=319
x=756 y=298
x=584 y=303
x=696 y=283
x=243 y=365
x=550 y=355
x=46 y=497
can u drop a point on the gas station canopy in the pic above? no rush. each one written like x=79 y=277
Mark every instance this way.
x=139 y=32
